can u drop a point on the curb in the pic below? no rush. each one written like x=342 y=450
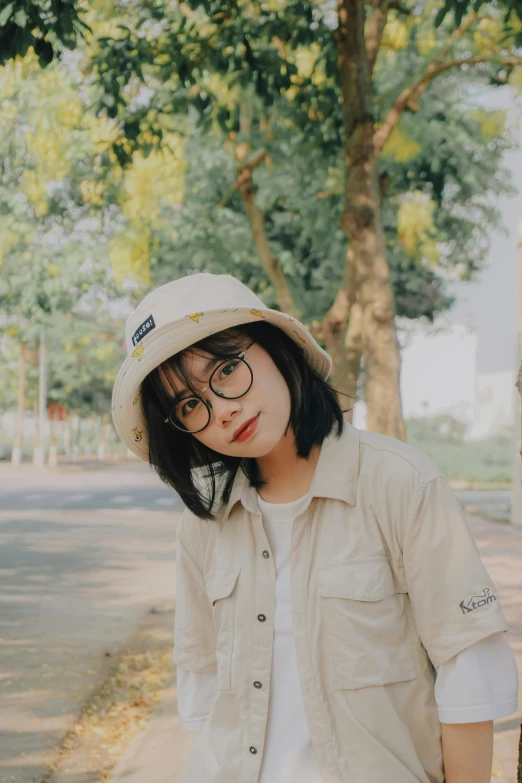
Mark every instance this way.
x=157 y=754
x=122 y=706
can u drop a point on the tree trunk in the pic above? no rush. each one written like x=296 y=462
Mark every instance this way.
x=16 y=456
x=353 y=352
x=333 y=329
x=68 y=436
x=37 y=446
x=52 y=459
x=76 y=435
x=92 y=435
x=361 y=223
x=271 y=265
x=102 y=437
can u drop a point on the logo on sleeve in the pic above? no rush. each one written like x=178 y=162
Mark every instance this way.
x=146 y=327
x=477 y=600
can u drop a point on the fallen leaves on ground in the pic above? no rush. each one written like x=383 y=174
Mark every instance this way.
x=119 y=710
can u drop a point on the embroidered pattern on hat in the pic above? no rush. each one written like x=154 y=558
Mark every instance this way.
x=147 y=326
x=138 y=352
x=257 y=312
x=138 y=435
x=196 y=316
x=136 y=399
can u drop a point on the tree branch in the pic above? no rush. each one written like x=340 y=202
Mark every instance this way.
x=255 y=161
x=271 y=265
x=411 y=94
x=245 y=185
x=415 y=91
x=376 y=24
x=240 y=151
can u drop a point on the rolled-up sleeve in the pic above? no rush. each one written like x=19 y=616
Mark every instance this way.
x=454 y=600
x=194 y=634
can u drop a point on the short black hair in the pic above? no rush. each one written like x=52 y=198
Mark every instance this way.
x=176 y=456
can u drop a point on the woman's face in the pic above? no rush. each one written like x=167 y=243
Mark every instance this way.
x=268 y=399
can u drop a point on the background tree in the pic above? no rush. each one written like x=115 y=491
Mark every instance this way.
x=54 y=233
x=45 y=26
x=341 y=81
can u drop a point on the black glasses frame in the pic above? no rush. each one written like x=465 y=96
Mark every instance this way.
x=208 y=405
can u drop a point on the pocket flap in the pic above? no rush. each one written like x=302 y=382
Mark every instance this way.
x=221 y=584
x=360 y=580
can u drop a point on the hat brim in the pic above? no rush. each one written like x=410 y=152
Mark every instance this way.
x=176 y=336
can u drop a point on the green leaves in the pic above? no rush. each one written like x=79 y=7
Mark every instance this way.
x=46 y=25
x=458 y=9
x=5 y=14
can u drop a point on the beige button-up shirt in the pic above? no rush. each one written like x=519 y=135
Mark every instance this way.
x=387 y=584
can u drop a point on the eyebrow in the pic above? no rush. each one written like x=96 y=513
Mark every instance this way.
x=209 y=365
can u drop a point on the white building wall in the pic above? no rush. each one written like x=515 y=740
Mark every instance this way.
x=439 y=375
x=494 y=406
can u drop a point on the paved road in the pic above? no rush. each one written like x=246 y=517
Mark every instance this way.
x=493 y=504
x=115 y=487
x=83 y=557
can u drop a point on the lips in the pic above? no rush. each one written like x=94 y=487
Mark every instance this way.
x=244 y=427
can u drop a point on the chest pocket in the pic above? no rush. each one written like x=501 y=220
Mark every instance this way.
x=371 y=634
x=221 y=590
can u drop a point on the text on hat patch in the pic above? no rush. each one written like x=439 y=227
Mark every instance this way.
x=146 y=327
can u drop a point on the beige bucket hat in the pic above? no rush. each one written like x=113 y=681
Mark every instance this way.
x=173 y=317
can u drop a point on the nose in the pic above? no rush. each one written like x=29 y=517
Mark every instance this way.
x=224 y=410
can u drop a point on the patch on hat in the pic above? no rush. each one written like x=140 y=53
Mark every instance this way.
x=146 y=327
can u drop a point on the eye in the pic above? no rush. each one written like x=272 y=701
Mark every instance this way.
x=186 y=409
x=228 y=369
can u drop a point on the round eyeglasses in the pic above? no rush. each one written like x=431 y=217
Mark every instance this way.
x=231 y=379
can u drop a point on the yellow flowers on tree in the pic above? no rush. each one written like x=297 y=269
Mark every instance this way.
x=52 y=253
x=363 y=97
x=416 y=228
x=147 y=184
x=362 y=79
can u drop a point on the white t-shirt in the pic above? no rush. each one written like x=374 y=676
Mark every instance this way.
x=480 y=683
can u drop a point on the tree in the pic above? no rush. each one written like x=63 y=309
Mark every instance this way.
x=340 y=79
x=44 y=27
x=54 y=230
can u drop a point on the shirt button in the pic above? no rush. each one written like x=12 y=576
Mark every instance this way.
x=266 y=554
x=261 y=618
x=252 y=749
x=257 y=684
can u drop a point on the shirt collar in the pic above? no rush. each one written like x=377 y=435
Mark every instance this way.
x=335 y=476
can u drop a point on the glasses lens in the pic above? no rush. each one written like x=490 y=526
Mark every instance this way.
x=232 y=378
x=190 y=414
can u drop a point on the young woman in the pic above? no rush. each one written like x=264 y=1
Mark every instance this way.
x=334 y=621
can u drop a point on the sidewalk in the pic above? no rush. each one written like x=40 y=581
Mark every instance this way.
x=157 y=754
x=63 y=466
x=126 y=461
